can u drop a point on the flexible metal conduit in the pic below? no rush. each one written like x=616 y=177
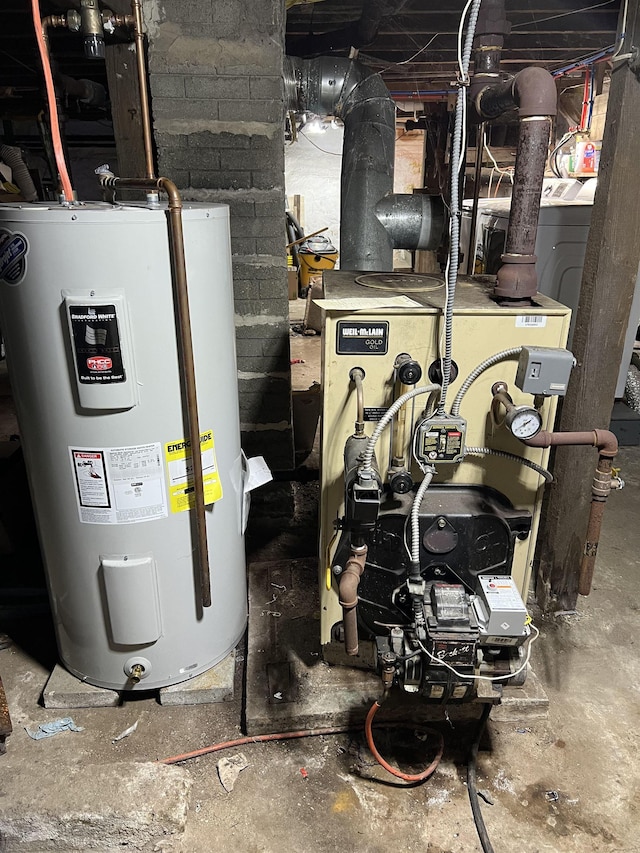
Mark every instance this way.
x=457 y=152
x=503 y=355
x=367 y=456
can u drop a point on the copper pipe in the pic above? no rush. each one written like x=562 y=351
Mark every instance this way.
x=179 y=270
x=136 y=7
x=600 y=490
x=607 y=445
x=348 y=587
x=603 y=439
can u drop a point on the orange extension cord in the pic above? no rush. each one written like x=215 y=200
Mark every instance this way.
x=407 y=777
x=67 y=189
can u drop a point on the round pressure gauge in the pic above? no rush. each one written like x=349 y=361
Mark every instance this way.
x=524 y=421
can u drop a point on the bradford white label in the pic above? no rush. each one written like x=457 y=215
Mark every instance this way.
x=96 y=344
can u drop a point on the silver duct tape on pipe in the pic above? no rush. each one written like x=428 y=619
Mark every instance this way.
x=412 y=221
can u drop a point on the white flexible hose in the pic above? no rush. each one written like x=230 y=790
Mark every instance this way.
x=367 y=456
x=415 y=514
x=484 y=365
x=489 y=451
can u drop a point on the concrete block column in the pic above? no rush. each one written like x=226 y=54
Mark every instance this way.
x=217 y=104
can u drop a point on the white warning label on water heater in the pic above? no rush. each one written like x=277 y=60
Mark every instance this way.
x=119 y=485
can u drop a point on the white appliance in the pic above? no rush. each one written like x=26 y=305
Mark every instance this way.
x=87 y=308
x=563 y=230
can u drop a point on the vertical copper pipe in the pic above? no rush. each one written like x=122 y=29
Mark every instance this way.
x=136 y=7
x=179 y=277
x=599 y=493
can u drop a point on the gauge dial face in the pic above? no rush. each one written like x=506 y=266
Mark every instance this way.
x=524 y=422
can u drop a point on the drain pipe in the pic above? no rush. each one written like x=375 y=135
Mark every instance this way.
x=372 y=221
x=533 y=91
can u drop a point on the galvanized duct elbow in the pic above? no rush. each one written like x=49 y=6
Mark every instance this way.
x=533 y=91
x=412 y=221
x=329 y=86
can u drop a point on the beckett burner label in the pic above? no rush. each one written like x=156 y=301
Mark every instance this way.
x=95 y=338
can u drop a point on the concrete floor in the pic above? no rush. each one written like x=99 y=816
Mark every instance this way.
x=80 y=791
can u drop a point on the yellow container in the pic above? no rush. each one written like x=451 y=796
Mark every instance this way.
x=316 y=255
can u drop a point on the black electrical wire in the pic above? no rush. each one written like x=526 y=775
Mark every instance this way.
x=472 y=783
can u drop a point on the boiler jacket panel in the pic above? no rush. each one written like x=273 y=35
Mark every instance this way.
x=120 y=560
x=480 y=329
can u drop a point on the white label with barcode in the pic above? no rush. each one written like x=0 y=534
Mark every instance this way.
x=531 y=320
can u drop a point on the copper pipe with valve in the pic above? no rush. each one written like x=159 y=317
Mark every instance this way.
x=604 y=481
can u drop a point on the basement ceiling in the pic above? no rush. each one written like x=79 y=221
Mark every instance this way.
x=416 y=48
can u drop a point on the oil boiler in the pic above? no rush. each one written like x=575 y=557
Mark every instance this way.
x=428 y=517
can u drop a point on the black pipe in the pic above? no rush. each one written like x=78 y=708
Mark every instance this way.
x=472 y=783
x=533 y=91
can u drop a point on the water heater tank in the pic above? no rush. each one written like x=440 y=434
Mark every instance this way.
x=87 y=314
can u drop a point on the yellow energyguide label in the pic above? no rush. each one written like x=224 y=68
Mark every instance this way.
x=180 y=470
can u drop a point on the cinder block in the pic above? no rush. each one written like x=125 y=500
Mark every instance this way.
x=191 y=11
x=248 y=110
x=243 y=246
x=267 y=179
x=65 y=691
x=221 y=180
x=184 y=108
x=274 y=289
x=249 y=347
x=214 y=685
x=218 y=140
x=78 y=806
x=167 y=85
x=208 y=86
x=266 y=87
x=258 y=328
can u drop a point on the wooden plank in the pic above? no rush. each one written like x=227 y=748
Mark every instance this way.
x=125 y=109
x=608 y=283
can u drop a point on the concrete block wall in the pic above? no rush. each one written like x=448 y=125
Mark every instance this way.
x=217 y=104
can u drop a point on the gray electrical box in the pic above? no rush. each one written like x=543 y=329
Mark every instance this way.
x=501 y=612
x=544 y=370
